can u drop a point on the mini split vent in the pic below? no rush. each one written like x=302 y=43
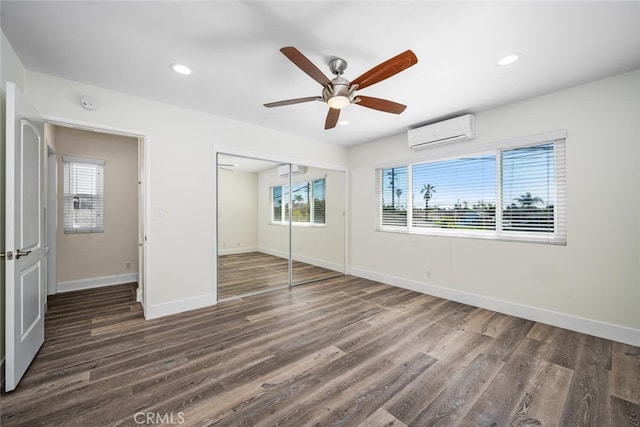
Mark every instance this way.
x=456 y=129
x=295 y=169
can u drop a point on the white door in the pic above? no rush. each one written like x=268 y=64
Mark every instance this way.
x=24 y=246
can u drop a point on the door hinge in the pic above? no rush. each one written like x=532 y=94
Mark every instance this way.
x=8 y=255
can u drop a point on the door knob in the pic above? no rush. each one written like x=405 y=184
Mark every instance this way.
x=19 y=253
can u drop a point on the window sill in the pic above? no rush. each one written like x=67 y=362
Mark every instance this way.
x=468 y=234
x=299 y=224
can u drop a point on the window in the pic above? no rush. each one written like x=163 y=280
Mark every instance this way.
x=458 y=193
x=528 y=190
x=83 y=195
x=307 y=202
x=512 y=193
x=319 y=201
x=394 y=186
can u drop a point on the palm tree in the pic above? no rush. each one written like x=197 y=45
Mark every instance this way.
x=427 y=191
x=297 y=199
x=527 y=201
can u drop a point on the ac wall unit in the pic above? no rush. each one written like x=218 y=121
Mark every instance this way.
x=456 y=129
x=284 y=169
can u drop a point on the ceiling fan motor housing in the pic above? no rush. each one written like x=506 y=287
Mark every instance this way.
x=337 y=66
x=339 y=87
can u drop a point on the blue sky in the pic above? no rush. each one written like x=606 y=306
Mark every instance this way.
x=473 y=179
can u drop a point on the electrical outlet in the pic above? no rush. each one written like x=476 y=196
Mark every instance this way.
x=128 y=265
x=428 y=274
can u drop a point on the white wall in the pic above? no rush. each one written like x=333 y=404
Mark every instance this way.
x=11 y=70
x=237 y=212
x=94 y=259
x=591 y=284
x=181 y=145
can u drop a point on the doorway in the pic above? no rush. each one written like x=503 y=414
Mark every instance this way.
x=115 y=253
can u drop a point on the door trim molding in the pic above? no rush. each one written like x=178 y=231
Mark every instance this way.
x=146 y=141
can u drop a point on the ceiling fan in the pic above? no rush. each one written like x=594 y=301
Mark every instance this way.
x=339 y=92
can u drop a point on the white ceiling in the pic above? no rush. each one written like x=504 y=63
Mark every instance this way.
x=233 y=49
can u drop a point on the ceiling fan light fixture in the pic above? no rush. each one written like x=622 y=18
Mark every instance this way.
x=338 y=102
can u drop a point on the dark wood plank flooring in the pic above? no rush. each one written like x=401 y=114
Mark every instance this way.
x=241 y=274
x=344 y=351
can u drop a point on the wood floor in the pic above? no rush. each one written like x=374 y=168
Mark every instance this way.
x=240 y=274
x=345 y=351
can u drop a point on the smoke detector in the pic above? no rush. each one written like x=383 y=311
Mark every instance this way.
x=88 y=103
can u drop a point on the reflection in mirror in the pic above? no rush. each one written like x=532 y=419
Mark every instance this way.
x=317 y=232
x=270 y=213
x=243 y=267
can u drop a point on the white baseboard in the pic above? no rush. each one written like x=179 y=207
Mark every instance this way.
x=96 y=282
x=279 y=254
x=596 y=328
x=139 y=294
x=174 y=307
x=319 y=263
x=307 y=260
x=234 y=251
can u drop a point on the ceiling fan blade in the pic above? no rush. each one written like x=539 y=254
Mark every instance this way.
x=387 y=69
x=381 y=104
x=293 y=101
x=332 y=118
x=305 y=65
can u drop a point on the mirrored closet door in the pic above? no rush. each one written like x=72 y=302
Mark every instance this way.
x=317 y=232
x=279 y=225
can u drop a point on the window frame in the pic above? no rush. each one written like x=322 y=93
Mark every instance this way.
x=557 y=237
x=283 y=209
x=69 y=198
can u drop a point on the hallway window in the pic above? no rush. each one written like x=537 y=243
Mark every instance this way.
x=83 y=195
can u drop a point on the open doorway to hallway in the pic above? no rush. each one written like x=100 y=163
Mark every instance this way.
x=99 y=228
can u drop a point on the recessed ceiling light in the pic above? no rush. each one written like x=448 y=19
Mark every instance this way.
x=509 y=59
x=343 y=122
x=181 y=69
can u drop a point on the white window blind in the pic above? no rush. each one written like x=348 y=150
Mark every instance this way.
x=319 y=201
x=533 y=191
x=513 y=193
x=393 y=196
x=458 y=193
x=83 y=195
